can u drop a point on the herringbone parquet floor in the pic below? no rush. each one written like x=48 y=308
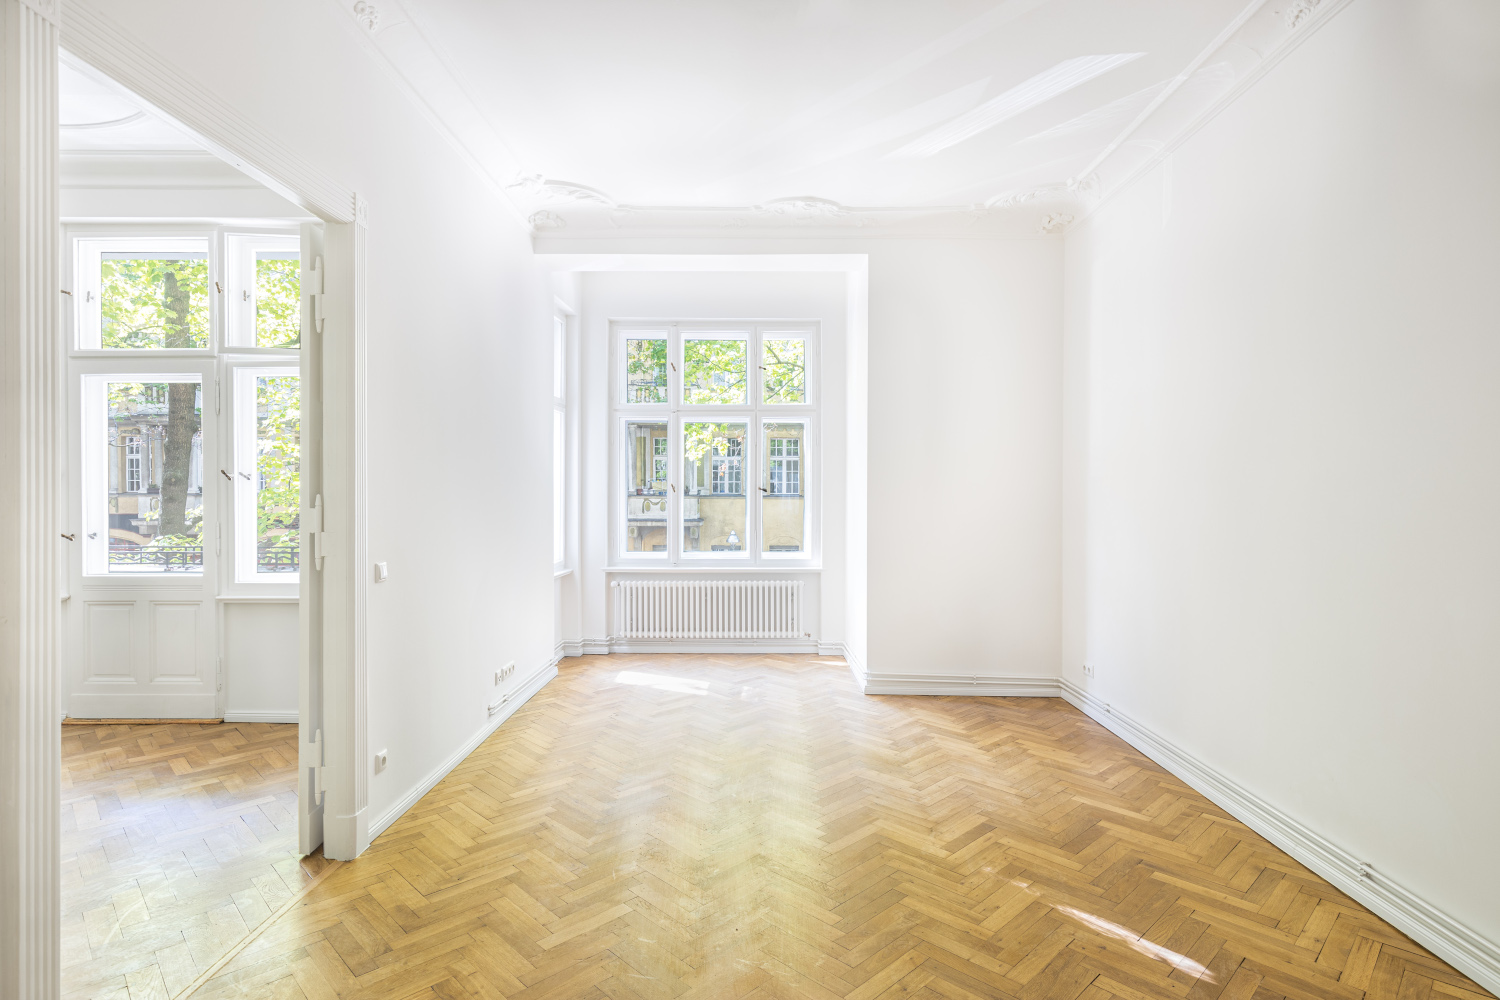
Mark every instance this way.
x=752 y=827
x=178 y=840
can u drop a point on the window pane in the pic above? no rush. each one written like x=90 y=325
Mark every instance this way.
x=784 y=370
x=278 y=461
x=153 y=300
x=646 y=370
x=154 y=437
x=713 y=371
x=646 y=488
x=783 y=504
x=278 y=298
x=559 y=482
x=713 y=511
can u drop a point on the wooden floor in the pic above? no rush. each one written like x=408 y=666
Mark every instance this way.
x=738 y=827
x=178 y=840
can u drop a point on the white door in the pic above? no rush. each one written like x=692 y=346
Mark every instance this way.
x=145 y=496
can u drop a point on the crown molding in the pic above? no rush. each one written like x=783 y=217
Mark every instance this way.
x=395 y=40
x=1252 y=45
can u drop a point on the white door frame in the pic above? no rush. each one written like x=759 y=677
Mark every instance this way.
x=30 y=546
x=32 y=452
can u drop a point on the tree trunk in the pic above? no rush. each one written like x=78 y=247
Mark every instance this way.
x=182 y=416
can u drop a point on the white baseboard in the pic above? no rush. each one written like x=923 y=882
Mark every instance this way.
x=959 y=684
x=232 y=716
x=529 y=687
x=1468 y=951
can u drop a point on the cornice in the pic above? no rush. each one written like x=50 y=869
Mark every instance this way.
x=394 y=38
x=1263 y=34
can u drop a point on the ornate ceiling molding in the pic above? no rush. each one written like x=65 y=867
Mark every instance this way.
x=1252 y=44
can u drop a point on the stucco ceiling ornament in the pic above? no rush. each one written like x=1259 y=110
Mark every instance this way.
x=544 y=190
x=367 y=15
x=805 y=207
x=1056 y=222
x=545 y=221
x=1299 y=10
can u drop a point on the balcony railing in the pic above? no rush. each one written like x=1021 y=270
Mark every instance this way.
x=276 y=559
x=146 y=556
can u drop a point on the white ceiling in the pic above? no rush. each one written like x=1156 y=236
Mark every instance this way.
x=728 y=102
x=909 y=115
x=985 y=116
x=99 y=116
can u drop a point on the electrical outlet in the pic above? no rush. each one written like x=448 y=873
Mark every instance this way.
x=1088 y=670
x=503 y=674
x=380 y=761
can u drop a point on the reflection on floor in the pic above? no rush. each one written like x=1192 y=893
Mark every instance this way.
x=177 y=841
x=752 y=827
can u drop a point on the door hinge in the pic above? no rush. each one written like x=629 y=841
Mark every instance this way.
x=218 y=397
x=218 y=539
x=312 y=284
x=316 y=752
x=220 y=686
x=312 y=527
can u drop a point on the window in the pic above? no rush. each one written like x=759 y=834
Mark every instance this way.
x=708 y=473
x=266 y=477
x=559 y=443
x=143 y=475
x=646 y=368
x=134 y=470
x=645 y=489
x=165 y=325
x=262 y=290
x=783 y=513
x=143 y=293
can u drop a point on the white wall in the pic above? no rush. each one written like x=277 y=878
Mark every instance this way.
x=459 y=360
x=965 y=389
x=964 y=361
x=1284 y=446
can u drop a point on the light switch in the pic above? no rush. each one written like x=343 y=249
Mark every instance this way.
x=381 y=572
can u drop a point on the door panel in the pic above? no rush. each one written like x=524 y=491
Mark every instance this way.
x=175 y=653
x=109 y=641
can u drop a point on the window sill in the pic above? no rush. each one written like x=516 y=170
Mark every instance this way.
x=257 y=598
x=558 y=574
x=761 y=569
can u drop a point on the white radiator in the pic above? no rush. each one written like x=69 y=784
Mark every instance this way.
x=708 y=609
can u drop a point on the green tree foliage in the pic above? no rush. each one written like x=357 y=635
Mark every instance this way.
x=139 y=311
x=785 y=370
x=713 y=371
x=278 y=409
x=646 y=371
x=278 y=303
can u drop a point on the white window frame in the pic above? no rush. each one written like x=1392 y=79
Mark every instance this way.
x=88 y=253
x=755 y=414
x=244 y=516
x=240 y=304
